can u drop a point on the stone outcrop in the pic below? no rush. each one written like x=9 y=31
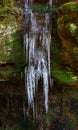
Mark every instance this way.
x=11 y=43
x=68 y=33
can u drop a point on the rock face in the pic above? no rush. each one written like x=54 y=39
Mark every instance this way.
x=68 y=33
x=11 y=46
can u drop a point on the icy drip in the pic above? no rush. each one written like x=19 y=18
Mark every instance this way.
x=50 y=3
x=46 y=20
x=48 y=40
x=38 y=59
x=28 y=3
x=31 y=85
x=26 y=45
x=34 y=27
x=31 y=49
x=45 y=83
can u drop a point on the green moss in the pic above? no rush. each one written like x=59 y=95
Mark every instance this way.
x=6 y=2
x=71 y=6
x=55 y=48
x=11 y=43
x=62 y=75
x=72 y=123
x=8 y=15
x=5 y=10
x=11 y=51
x=17 y=54
x=44 y=9
x=75 y=51
x=66 y=19
x=58 y=72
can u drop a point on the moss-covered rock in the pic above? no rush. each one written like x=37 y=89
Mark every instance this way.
x=65 y=1
x=68 y=33
x=12 y=57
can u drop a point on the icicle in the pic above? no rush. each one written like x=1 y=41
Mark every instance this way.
x=50 y=3
x=33 y=23
x=31 y=85
x=45 y=83
x=46 y=20
x=26 y=5
x=31 y=48
x=26 y=40
x=48 y=41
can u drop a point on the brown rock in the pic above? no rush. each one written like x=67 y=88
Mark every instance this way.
x=68 y=33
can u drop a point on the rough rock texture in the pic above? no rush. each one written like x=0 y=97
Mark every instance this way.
x=11 y=43
x=68 y=33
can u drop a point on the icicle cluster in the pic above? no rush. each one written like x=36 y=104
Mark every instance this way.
x=38 y=59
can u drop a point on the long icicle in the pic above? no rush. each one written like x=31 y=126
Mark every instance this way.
x=38 y=59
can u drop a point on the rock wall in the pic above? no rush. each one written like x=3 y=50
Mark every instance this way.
x=68 y=33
